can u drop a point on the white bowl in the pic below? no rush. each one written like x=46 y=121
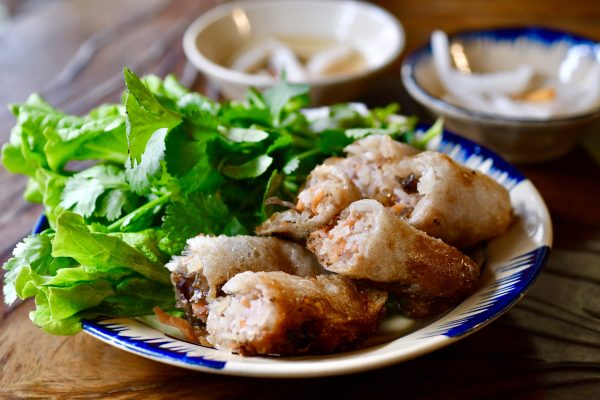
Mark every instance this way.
x=215 y=36
x=520 y=140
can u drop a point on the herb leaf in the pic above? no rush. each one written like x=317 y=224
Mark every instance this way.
x=191 y=215
x=145 y=116
x=280 y=96
x=82 y=192
x=250 y=169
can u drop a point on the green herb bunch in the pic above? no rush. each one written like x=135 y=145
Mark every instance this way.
x=125 y=186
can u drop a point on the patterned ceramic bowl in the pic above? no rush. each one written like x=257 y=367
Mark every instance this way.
x=560 y=56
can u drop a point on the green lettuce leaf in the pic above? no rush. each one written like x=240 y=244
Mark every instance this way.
x=101 y=250
x=133 y=297
x=98 y=135
x=51 y=186
x=31 y=256
x=24 y=152
x=47 y=138
x=66 y=292
x=42 y=317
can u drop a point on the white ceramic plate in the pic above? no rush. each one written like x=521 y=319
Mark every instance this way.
x=513 y=263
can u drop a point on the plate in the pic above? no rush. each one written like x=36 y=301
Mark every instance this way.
x=513 y=263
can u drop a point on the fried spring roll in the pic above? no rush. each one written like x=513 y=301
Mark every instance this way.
x=208 y=262
x=379 y=149
x=327 y=191
x=437 y=195
x=278 y=313
x=449 y=201
x=364 y=165
x=370 y=242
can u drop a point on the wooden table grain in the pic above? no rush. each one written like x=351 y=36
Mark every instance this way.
x=547 y=346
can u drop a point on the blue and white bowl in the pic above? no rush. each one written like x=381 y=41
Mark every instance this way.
x=513 y=262
x=556 y=54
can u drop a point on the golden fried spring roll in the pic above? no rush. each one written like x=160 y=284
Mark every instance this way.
x=208 y=262
x=365 y=161
x=379 y=149
x=448 y=200
x=327 y=191
x=370 y=242
x=278 y=313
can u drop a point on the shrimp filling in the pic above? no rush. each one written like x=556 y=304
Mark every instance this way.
x=241 y=317
x=345 y=240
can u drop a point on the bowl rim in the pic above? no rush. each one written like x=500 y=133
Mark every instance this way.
x=545 y=35
x=209 y=67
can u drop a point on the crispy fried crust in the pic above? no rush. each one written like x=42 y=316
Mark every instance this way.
x=209 y=261
x=435 y=193
x=380 y=149
x=456 y=204
x=328 y=190
x=365 y=162
x=370 y=242
x=282 y=314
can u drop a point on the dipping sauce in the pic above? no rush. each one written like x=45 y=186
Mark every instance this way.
x=525 y=91
x=300 y=58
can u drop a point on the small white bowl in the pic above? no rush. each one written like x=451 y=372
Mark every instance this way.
x=215 y=36
x=519 y=140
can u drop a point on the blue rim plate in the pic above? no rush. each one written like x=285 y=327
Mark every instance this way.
x=513 y=263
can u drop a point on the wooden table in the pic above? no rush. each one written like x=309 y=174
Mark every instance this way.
x=548 y=346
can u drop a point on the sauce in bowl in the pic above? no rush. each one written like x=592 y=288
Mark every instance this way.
x=300 y=58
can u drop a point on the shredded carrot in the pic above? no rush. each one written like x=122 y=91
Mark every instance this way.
x=200 y=309
x=351 y=222
x=245 y=302
x=186 y=329
x=398 y=208
x=316 y=200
